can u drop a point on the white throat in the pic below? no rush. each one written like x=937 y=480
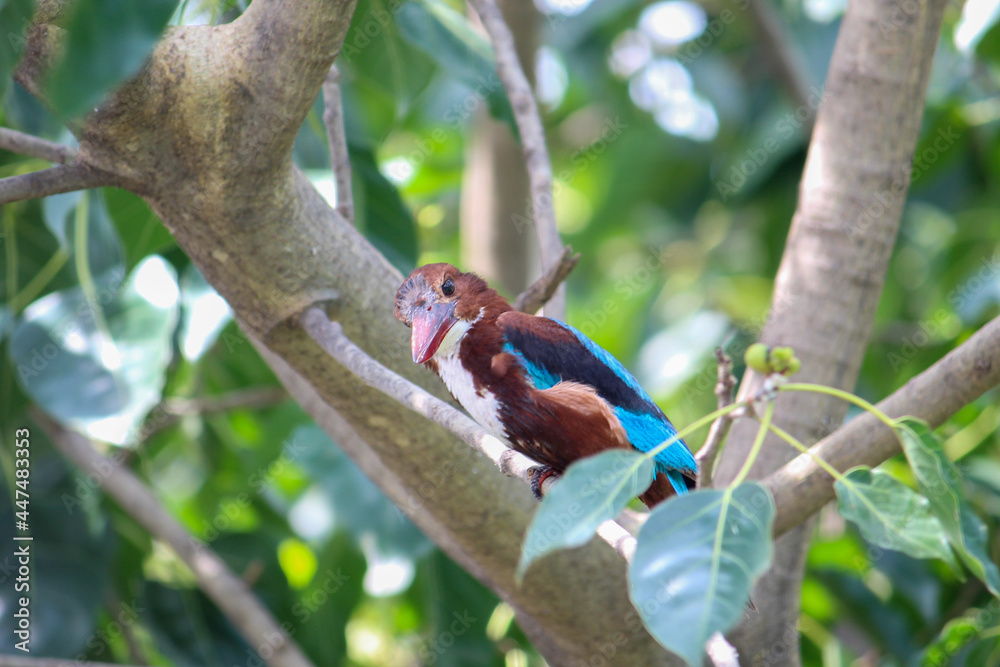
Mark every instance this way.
x=453 y=339
x=481 y=404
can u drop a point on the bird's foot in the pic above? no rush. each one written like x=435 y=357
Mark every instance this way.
x=537 y=477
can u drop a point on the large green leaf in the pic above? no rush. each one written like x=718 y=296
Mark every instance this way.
x=446 y=36
x=108 y=41
x=71 y=556
x=63 y=211
x=385 y=71
x=892 y=515
x=15 y=17
x=381 y=213
x=141 y=231
x=99 y=366
x=458 y=610
x=885 y=622
x=696 y=561
x=324 y=607
x=191 y=631
x=591 y=491
x=941 y=482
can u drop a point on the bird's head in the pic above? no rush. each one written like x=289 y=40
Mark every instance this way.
x=440 y=304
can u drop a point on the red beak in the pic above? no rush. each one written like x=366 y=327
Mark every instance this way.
x=430 y=325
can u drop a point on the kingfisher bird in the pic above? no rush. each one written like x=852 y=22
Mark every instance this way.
x=539 y=383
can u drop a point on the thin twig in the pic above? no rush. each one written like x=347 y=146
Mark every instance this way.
x=330 y=336
x=51 y=181
x=529 y=125
x=171 y=410
x=32 y=661
x=340 y=162
x=230 y=593
x=539 y=292
x=774 y=41
x=720 y=427
x=26 y=144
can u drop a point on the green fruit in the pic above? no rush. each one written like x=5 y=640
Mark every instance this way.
x=756 y=357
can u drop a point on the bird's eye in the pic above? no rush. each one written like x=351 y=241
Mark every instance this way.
x=448 y=287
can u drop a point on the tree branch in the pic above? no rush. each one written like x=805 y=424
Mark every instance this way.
x=801 y=487
x=529 y=124
x=720 y=427
x=171 y=410
x=539 y=292
x=32 y=661
x=229 y=592
x=834 y=264
x=52 y=181
x=340 y=163
x=25 y=144
x=774 y=41
x=270 y=245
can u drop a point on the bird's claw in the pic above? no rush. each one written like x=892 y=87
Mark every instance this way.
x=537 y=477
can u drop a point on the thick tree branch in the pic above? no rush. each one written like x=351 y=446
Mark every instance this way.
x=529 y=124
x=52 y=181
x=801 y=487
x=229 y=592
x=340 y=163
x=25 y=144
x=204 y=133
x=834 y=265
x=539 y=292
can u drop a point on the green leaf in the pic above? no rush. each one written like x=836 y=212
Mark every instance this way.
x=15 y=17
x=384 y=69
x=140 y=230
x=108 y=41
x=891 y=515
x=941 y=482
x=954 y=636
x=447 y=37
x=72 y=556
x=590 y=492
x=104 y=251
x=190 y=630
x=382 y=214
x=696 y=561
x=102 y=381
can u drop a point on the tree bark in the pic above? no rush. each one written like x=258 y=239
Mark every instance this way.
x=204 y=133
x=850 y=202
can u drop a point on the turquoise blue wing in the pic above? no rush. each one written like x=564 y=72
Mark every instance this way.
x=552 y=352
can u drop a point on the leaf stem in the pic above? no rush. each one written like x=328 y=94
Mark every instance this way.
x=38 y=283
x=794 y=442
x=765 y=424
x=844 y=395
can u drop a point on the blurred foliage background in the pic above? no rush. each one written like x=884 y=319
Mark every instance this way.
x=677 y=143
